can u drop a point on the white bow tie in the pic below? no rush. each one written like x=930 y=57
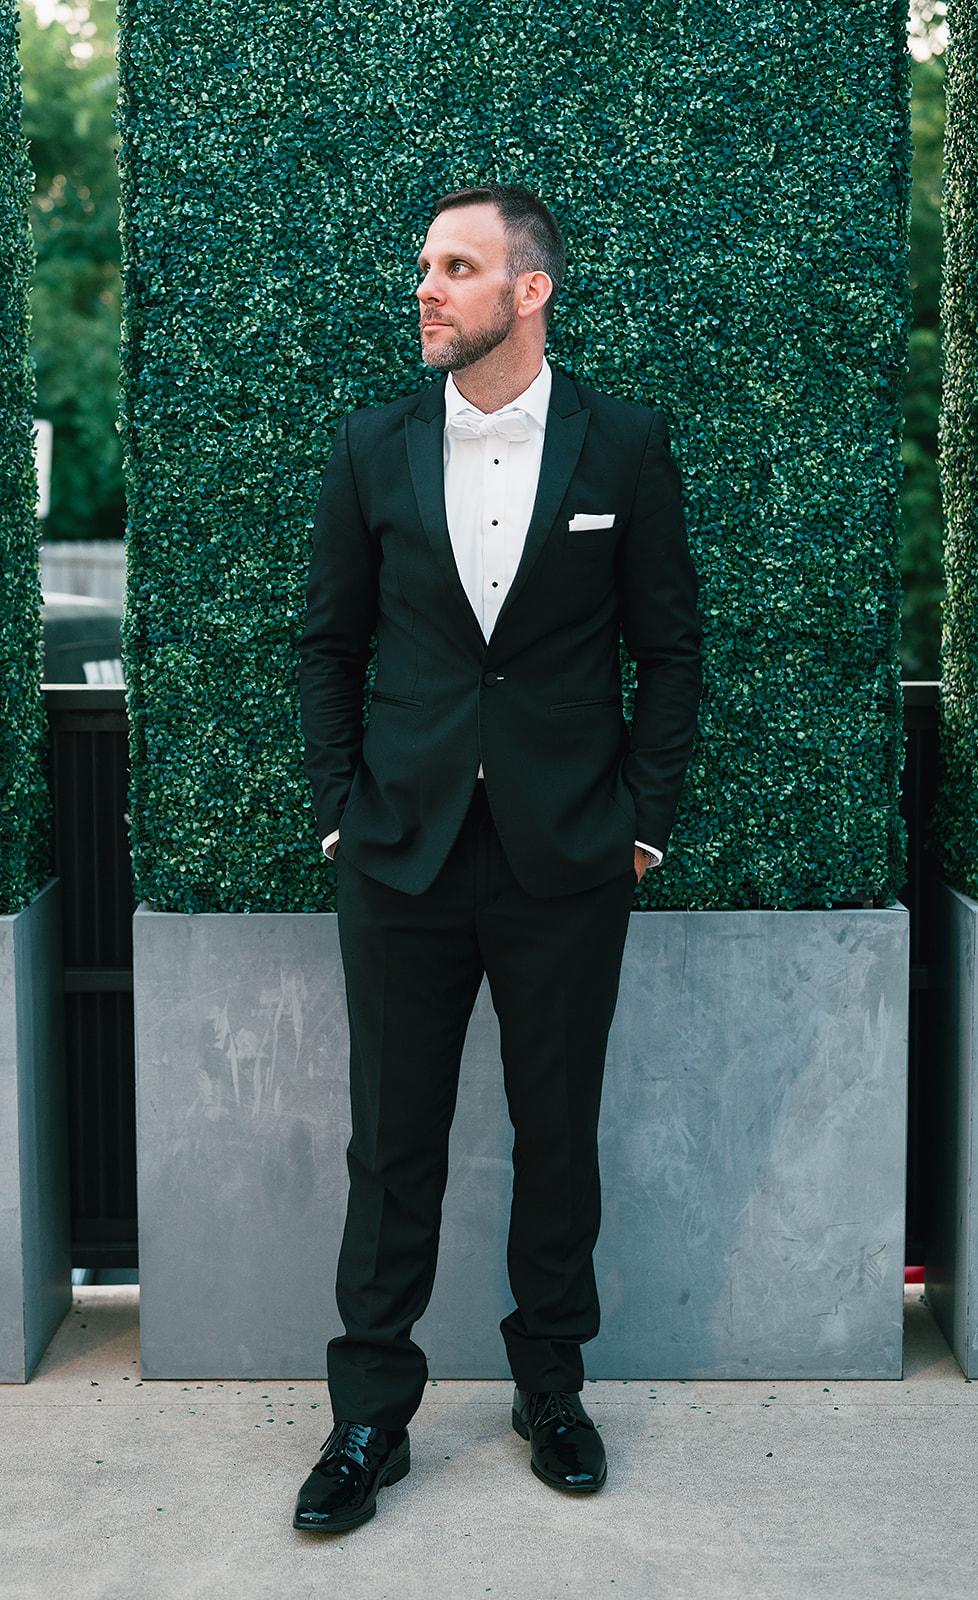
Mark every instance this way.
x=511 y=424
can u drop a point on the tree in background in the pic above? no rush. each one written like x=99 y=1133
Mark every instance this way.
x=921 y=495
x=69 y=78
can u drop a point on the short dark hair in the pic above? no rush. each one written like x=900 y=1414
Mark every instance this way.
x=536 y=243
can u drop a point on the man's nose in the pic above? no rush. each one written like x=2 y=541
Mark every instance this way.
x=428 y=290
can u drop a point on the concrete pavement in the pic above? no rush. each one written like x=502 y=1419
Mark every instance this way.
x=118 y=1489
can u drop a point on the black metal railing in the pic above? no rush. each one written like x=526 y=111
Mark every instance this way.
x=918 y=791
x=89 y=777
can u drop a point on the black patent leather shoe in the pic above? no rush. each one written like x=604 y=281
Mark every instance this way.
x=341 y=1490
x=565 y=1447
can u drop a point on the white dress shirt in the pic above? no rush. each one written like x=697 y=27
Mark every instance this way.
x=490 y=487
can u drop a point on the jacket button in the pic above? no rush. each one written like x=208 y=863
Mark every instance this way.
x=491 y=678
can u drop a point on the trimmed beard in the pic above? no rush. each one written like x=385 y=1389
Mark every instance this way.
x=467 y=348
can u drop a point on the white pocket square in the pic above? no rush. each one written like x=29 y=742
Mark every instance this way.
x=584 y=521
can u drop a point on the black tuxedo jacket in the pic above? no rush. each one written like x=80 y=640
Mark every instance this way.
x=539 y=704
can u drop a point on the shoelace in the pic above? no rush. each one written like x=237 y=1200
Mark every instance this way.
x=350 y=1439
x=557 y=1407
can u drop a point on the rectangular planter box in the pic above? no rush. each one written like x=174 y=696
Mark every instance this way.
x=952 y=1258
x=35 y=1227
x=753 y=1152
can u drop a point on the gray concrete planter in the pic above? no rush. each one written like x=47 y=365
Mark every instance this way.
x=35 y=1227
x=952 y=1259
x=753 y=1135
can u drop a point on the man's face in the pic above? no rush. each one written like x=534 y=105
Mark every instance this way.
x=467 y=298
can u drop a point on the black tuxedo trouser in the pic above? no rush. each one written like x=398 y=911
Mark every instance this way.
x=413 y=965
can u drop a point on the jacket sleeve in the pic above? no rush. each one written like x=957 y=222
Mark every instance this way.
x=335 y=645
x=661 y=631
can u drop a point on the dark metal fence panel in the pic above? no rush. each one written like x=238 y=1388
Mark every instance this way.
x=918 y=793
x=89 y=775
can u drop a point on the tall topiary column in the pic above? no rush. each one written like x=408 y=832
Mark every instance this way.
x=35 y=1255
x=23 y=795
x=733 y=183
x=958 y=808
x=952 y=1260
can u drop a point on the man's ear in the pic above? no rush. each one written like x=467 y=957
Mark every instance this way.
x=534 y=291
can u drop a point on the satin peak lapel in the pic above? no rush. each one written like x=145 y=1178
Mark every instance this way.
x=566 y=428
x=424 y=438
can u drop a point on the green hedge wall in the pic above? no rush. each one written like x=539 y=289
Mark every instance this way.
x=957 y=818
x=23 y=795
x=733 y=183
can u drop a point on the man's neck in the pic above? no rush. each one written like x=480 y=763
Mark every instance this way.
x=489 y=386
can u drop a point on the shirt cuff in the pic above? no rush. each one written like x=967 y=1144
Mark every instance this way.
x=648 y=848
x=332 y=839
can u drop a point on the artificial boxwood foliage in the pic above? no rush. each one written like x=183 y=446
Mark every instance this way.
x=23 y=795
x=957 y=814
x=733 y=183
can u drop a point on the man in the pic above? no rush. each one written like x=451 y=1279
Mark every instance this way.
x=498 y=533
